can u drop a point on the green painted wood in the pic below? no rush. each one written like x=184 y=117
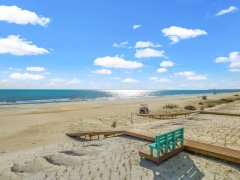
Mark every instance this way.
x=167 y=140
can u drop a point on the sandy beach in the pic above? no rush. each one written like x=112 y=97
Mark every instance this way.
x=34 y=145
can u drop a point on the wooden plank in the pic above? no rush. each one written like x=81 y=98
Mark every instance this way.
x=94 y=133
x=141 y=134
x=145 y=153
x=219 y=113
x=223 y=153
x=169 y=115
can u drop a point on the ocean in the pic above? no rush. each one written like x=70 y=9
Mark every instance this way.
x=13 y=96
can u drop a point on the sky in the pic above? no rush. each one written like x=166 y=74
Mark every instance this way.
x=119 y=44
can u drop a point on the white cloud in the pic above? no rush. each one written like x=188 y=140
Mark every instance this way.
x=74 y=81
x=165 y=80
x=121 y=45
x=185 y=73
x=58 y=80
x=153 y=78
x=191 y=75
x=226 y=11
x=162 y=70
x=158 y=80
x=221 y=59
x=14 y=14
x=149 y=53
x=146 y=44
x=233 y=59
x=197 y=77
x=15 y=45
x=26 y=76
x=175 y=34
x=136 y=26
x=115 y=78
x=234 y=70
x=167 y=64
x=102 y=71
x=36 y=69
x=130 y=80
x=117 y=62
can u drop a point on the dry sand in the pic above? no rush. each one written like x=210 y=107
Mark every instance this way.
x=34 y=146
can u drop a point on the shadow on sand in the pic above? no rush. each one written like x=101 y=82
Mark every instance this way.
x=179 y=167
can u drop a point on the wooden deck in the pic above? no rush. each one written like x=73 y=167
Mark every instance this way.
x=164 y=116
x=219 y=152
x=90 y=134
x=219 y=113
x=145 y=153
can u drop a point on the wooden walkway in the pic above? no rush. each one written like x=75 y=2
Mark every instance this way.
x=219 y=113
x=164 y=116
x=219 y=152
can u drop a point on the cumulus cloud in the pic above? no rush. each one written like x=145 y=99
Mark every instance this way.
x=146 y=44
x=162 y=70
x=233 y=59
x=231 y=9
x=35 y=68
x=117 y=62
x=102 y=71
x=149 y=53
x=26 y=76
x=14 y=14
x=130 y=80
x=136 y=26
x=167 y=64
x=175 y=34
x=17 y=46
x=121 y=45
x=191 y=75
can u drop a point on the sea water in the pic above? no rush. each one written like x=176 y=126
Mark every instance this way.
x=14 y=96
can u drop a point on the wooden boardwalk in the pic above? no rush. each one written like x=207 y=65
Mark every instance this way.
x=219 y=113
x=219 y=152
x=164 y=116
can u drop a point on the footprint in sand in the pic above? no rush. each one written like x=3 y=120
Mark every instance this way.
x=29 y=167
x=63 y=160
x=73 y=153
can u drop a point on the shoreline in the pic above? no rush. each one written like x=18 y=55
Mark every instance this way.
x=68 y=100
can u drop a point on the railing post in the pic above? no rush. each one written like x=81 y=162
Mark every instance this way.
x=182 y=136
x=166 y=144
x=174 y=140
x=151 y=151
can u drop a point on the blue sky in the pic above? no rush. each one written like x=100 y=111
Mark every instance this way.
x=115 y=44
